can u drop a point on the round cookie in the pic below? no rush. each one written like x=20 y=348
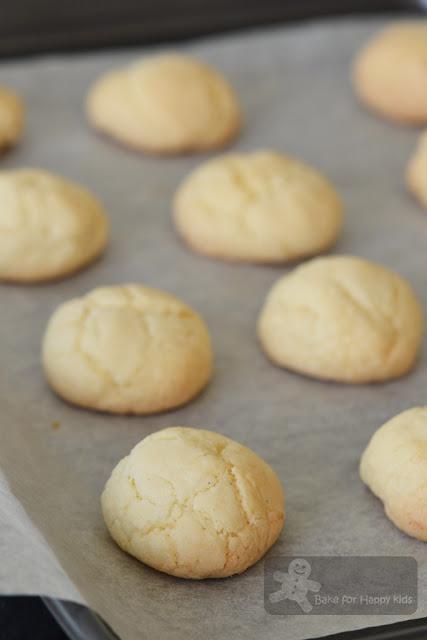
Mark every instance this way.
x=49 y=227
x=165 y=104
x=394 y=467
x=11 y=118
x=416 y=175
x=257 y=207
x=127 y=349
x=194 y=504
x=390 y=73
x=342 y=318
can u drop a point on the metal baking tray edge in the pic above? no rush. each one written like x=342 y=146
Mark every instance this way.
x=80 y=623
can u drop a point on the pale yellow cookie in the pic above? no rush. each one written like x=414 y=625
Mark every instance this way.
x=390 y=73
x=342 y=318
x=194 y=504
x=49 y=226
x=11 y=118
x=127 y=349
x=394 y=466
x=257 y=207
x=416 y=175
x=165 y=104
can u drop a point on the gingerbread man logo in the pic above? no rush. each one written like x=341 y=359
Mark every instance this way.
x=295 y=584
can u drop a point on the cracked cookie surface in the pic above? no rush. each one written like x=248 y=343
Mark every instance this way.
x=165 y=104
x=342 y=318
x=394 y=467
x=194 y=504
x=127 y=349
x=49 y=226
x=390 y=72
x=257 y=207
x=11 y=118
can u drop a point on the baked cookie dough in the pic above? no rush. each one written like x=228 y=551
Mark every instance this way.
x=257 y=207
x=127 y=349
x=390 y=73
x=394 y=466
x=194 y=504
x=416 y=175
x=342 y=318
x=49 y=227
x=11 y=118
x=165 y=104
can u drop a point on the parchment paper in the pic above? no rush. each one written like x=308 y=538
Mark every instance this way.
x=295 y=87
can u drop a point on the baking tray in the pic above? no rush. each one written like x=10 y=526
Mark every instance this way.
x=75 y=25
x=81 y=624
x=78 y=622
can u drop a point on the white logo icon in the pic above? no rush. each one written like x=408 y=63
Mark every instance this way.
x=295 y=584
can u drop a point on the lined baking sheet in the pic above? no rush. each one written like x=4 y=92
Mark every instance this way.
x=295 y=89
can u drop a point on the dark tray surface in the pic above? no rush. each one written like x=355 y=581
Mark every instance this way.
x=71 y=25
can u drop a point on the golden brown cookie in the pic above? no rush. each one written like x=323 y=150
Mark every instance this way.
x=416 y=175
x=394 y=466
x=390 y=72
x=165 y=104
x=342 y=318
x=49 y=226
x=11 y=118
x=127 y=349
x=257 y=207
x=194 y=504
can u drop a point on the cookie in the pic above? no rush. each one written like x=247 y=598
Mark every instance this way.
x=342 y=318
x=127 y=349
x=49 y=227
x=165 y=104
x=257 y=207
x=11 y=118
x=394 y=467
x=390 y=73
x=416 y=175
x=194 y=504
